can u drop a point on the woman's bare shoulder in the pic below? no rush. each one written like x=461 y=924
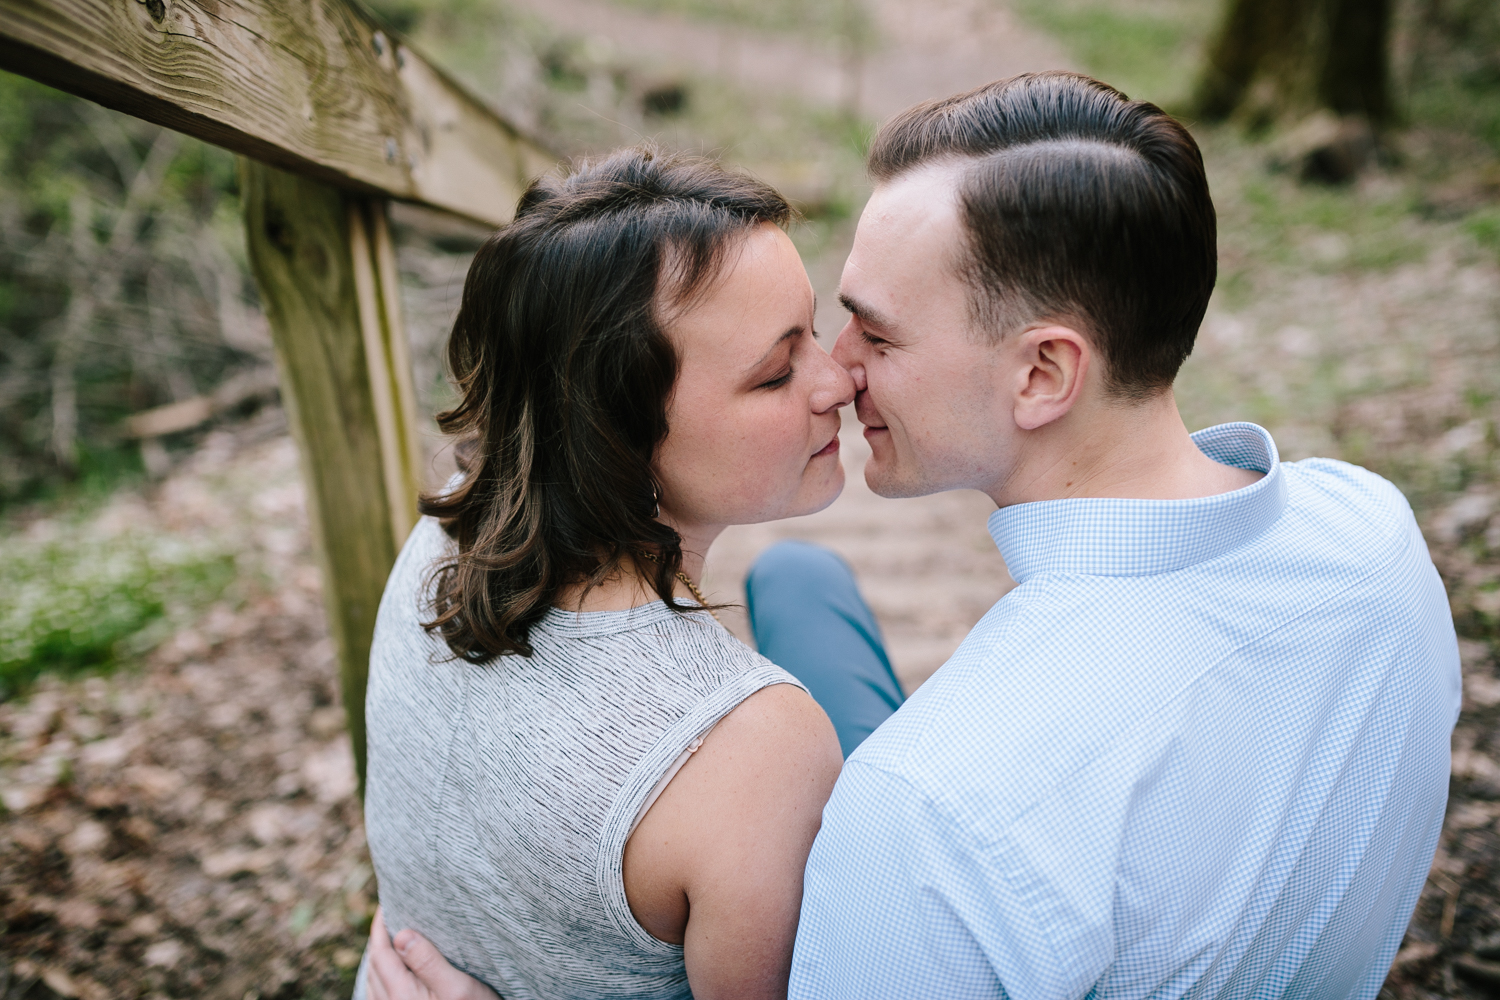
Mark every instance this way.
x=739 y=818
x=777 y=745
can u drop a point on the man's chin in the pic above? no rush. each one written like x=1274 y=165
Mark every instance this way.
x=892 y=483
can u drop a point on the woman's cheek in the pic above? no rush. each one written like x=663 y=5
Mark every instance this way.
x=768 y=471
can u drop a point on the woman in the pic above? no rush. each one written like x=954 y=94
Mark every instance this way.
x=580 y=784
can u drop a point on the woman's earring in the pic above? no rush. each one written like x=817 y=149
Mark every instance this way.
x=655 y=501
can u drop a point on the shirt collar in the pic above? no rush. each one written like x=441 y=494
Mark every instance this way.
x=1110 y=536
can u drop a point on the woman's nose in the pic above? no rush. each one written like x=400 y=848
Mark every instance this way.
x=835 y=386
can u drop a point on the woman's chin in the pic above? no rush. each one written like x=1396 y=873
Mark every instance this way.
x=814 y=493
x=831 y=484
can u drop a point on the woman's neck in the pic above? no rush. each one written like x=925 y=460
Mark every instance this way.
x=696 y=541
x=629 y=587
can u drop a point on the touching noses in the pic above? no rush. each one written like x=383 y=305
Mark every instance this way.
x=835 y=387
x=846 y=352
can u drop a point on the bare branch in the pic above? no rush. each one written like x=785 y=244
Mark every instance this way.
x=95 y=278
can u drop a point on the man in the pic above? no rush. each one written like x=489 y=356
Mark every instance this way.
x=1202 y=748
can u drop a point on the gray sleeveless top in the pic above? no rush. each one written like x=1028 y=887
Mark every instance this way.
x=500 y=796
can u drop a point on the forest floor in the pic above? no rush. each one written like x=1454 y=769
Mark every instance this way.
x=186 y=825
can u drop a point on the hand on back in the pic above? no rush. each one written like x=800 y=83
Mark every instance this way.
x=417 y=971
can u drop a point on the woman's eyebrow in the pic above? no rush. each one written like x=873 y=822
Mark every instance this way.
x=793 y=332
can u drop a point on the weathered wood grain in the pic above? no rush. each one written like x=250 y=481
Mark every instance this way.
x=387 y=359
x=307 y=85
x=306 y=260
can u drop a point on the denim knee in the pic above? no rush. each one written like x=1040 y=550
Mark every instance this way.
x=792 y=568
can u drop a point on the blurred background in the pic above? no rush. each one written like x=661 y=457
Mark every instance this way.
x=178 y=810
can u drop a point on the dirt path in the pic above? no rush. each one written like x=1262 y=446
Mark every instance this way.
x=927 y=48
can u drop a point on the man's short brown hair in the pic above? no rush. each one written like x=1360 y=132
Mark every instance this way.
x=1080 y=205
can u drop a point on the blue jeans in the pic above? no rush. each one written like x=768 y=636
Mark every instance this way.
x=809 y=619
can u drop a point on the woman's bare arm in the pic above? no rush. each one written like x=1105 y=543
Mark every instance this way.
x=717 y=863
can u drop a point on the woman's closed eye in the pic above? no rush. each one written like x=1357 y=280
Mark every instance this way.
x=780 y=380
x=788 y=368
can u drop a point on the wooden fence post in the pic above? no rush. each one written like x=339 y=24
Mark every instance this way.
x=378 y=291
x=315 y=87
x=327 y=275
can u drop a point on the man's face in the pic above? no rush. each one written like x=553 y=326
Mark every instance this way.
x=928 y=384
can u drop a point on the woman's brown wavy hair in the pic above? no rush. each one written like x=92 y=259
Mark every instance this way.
x=565 y=372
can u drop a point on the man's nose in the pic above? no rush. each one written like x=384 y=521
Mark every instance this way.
x=846 y=351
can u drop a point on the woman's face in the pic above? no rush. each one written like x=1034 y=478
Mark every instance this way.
x=753 y=419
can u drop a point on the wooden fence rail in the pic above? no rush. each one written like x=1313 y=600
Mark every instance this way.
x=334 y=116
x=310 y=86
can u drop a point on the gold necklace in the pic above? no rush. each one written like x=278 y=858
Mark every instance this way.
x=691 y=586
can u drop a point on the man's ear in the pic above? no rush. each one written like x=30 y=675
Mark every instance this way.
x=1052 y=366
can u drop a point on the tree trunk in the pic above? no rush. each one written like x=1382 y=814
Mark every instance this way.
x=1356 y=69
x=1277 y=59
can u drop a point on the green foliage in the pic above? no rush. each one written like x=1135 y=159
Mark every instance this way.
x=582 y=96
x=1471 y=108
x=847 y=20
x=1317 y=228
x=78 y=599
x=1484 y=227
x=814 y=156
x=1152 y=49
x=1454 y=73
x=1147 y=49
x=399 y=15
x=109 y=303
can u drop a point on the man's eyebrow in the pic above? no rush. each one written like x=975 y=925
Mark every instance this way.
x=865 y=312
x=793 y=332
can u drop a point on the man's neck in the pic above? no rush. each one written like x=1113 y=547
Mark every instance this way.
x=1106 y=449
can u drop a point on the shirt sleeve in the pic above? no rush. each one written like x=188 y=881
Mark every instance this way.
x=896 y=902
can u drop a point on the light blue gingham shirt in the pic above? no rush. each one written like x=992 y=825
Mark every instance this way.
x=1202 y=750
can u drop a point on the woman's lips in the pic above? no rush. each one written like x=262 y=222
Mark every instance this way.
x=831 y=448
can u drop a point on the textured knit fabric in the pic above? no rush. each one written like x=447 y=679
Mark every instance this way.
x=1200 y=751
x=809 y=619
x=500 y=796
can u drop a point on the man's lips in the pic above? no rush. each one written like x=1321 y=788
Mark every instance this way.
x=867 y=413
